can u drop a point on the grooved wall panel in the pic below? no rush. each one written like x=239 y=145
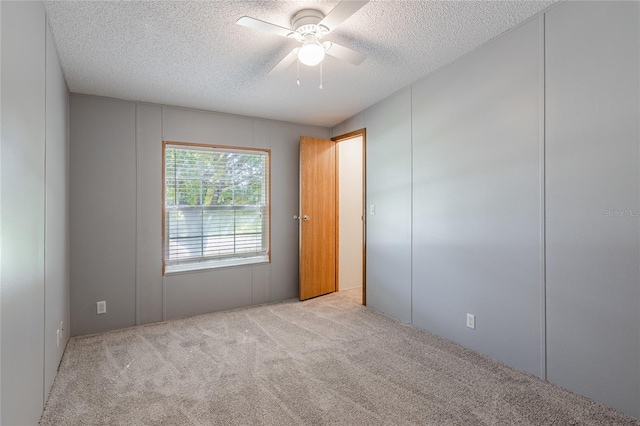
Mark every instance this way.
x=102 y=213
x=149 y=295
x=23 y=213
x=33 y=215
x=57 y=292
x=593 y=198
x=477 y=188
x=389 y=190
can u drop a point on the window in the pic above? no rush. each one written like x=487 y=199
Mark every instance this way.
x=216 y=206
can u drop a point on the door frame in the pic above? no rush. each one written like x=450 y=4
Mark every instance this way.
x=337 y=139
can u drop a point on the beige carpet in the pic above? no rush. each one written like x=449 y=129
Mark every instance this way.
x=328 y=360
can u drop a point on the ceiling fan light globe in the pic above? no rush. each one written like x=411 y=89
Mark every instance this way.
x=311 y=53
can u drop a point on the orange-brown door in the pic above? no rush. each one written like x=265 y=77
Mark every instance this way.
x=318 y=217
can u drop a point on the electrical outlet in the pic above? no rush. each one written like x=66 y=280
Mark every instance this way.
x=101 y=307
x=471 y=321
x=372 y=209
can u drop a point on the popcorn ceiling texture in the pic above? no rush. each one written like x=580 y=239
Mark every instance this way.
x=192 y=54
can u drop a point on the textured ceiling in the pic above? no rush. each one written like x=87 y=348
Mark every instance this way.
x=192 y=54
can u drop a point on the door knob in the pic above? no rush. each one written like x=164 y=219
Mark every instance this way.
x=296 y=217
x=305 y=218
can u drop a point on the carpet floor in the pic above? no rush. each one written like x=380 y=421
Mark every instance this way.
x=327 y=360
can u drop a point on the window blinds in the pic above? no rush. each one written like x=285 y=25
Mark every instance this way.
x=216 y=203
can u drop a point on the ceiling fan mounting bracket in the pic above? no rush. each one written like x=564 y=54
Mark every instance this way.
x=305 y=22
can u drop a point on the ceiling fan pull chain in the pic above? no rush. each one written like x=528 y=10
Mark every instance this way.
x=321 y=77
x=298 y=76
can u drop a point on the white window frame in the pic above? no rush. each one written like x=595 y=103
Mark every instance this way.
x=170 y=267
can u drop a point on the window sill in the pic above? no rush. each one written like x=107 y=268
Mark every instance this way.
x=186 y=268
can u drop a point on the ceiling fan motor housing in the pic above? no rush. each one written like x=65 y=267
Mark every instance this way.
x=306 y=22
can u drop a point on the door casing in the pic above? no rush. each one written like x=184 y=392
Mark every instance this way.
x=357 y=133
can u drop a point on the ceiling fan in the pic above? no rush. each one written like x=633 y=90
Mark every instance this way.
x=309 y=26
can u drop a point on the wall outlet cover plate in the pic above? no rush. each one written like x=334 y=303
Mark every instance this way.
x=471 y=321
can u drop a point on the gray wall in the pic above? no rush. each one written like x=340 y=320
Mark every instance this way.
x=496 y=216
x=116 y=214
x=102 y=213
x=56 y=249
x=33 y=212
x=593 y=197
x=477 y=234
x=388 y=239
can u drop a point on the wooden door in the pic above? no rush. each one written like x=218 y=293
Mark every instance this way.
x=318 y=217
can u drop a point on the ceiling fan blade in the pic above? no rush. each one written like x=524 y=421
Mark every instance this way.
x=341 y=13
x=345 y=54
x=259 y=25
x=284 y=63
